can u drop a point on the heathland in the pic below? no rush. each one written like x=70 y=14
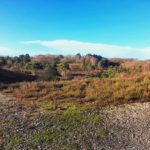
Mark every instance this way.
x=74 y=102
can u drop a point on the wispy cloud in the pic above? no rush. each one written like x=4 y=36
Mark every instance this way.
x=4 y=51
x=73 y=47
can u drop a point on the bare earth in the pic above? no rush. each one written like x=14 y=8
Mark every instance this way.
x=128 y=126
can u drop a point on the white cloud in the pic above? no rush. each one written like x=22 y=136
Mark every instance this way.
x=73 y=47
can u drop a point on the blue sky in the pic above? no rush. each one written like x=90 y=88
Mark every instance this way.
x=112 y=28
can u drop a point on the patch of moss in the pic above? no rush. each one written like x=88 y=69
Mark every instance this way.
x=44 y=137
x=48 y=106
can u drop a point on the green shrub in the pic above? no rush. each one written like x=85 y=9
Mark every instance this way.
x=109 y=73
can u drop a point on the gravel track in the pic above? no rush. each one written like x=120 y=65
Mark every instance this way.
x=128 y=126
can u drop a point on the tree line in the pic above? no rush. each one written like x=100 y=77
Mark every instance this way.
x=52 y=67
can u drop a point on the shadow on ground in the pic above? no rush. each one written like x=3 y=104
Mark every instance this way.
x=7 y=76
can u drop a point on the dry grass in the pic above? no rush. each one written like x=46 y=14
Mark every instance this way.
x=103 y=92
